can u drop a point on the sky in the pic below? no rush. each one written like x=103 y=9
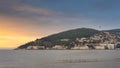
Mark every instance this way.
x=22 y=21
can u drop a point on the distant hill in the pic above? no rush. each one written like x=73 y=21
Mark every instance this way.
x=113 y=30
x=66 y=38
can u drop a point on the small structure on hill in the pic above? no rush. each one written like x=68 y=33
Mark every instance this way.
x=58 y=47
x=80 y=47
x=35 y=47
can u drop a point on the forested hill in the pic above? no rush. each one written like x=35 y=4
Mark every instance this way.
x=69 y=37
x=71 y=34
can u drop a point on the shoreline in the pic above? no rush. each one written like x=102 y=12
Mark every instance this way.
x=66 y=49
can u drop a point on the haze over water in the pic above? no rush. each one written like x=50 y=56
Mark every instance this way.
x=59 y=59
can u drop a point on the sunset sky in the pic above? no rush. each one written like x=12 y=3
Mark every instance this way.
x=22 y=21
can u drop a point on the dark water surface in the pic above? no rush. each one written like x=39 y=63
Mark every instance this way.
x=59 y=59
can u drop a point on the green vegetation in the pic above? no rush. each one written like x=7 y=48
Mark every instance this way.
x=71 y=35
x=76 y=37
x=62 y=38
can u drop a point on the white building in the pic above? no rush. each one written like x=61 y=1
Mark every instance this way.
x=35 y=47
x=110 y=46
x=100 y=47
x=58 y=47
x=80 y=47
x=84 y=47
x=75 y=48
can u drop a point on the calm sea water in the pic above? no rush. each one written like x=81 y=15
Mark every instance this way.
x=59 y=59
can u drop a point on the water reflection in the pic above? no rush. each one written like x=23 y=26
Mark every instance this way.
x=88 y=60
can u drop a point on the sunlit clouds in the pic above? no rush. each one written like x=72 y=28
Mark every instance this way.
x=35 y=10
x=22 y=21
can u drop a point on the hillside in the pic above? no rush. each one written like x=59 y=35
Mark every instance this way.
x=71 y=38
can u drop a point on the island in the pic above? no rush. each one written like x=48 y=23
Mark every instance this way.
x=77 y=39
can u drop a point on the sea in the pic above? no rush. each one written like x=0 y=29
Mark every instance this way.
x=59 y=58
